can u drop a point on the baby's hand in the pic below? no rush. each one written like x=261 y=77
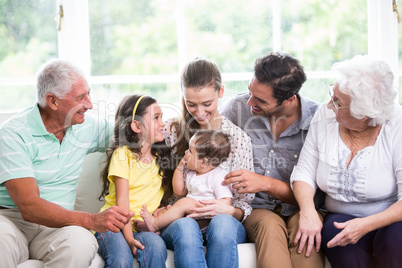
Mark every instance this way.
x=183 y=163
x=186 y=156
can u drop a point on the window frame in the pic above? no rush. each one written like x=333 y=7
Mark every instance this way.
x=74 y=43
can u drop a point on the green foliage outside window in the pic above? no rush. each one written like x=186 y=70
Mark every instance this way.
x=156 y=37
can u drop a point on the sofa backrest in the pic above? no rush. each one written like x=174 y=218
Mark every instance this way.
x=89 y=184
x=5 y=115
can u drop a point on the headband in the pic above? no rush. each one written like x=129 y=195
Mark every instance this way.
x=136 y=105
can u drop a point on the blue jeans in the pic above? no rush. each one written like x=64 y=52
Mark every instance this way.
x=221 y=238
x=116 y=253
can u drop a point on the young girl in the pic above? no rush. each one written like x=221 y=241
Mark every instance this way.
x=198 y=177
x=134 y=176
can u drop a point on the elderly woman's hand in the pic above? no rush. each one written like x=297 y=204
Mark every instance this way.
x=310 y=226
x=352 y=231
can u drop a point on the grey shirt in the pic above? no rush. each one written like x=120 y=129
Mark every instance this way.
x=272 y=158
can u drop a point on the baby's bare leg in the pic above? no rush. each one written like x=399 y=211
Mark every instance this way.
x=180 y=209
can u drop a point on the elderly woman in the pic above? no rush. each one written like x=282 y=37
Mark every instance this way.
x=353 y=152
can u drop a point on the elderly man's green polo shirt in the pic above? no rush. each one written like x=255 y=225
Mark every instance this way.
x=27 y=149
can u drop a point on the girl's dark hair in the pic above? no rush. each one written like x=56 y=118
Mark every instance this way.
x=197 y=74
x=282 y=72
x=214 y=145
x=124 y=135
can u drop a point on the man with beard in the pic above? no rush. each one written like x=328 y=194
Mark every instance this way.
x=276 y=117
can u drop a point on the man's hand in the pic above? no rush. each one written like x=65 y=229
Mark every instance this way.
x=112 y=219
x=245 y=181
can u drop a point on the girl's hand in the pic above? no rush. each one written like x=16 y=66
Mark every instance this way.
x=134 y=245
x=210 y=209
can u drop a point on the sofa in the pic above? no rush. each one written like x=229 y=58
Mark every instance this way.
x=88 y=190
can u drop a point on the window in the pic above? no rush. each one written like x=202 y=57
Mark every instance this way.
x=156 y=38
x=28 y=37
x=141 y=46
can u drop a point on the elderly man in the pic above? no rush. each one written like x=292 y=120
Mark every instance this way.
x=41 y=153
x=277 y=118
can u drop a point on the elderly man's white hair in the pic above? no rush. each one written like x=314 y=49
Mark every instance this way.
x=57 y=77
x=369 y=83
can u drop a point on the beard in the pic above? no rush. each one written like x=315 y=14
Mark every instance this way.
x=276 y=111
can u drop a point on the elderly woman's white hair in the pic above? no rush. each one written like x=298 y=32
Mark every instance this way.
x=57 y=77
x=369 y=83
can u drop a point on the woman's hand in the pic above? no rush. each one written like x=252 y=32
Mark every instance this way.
x=310 y=226
x=352 y=231
x=134 y=245
x=210 y=209
x=161 y=210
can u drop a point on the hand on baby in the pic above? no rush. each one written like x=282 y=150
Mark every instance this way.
x=211 y=208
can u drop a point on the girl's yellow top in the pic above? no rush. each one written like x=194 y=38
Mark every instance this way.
x=145 y=183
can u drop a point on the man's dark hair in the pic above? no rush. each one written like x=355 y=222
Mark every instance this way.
x=282 y=72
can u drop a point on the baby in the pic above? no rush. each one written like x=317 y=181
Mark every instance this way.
x=198 y=177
